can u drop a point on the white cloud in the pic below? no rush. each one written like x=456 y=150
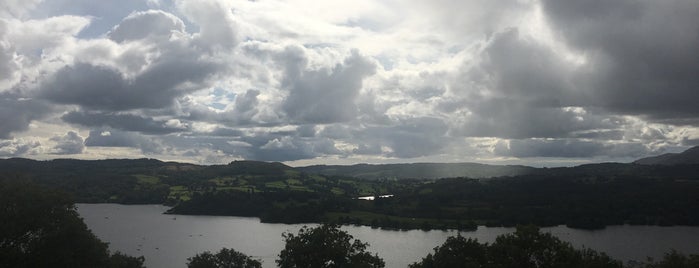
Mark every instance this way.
x=358 y=80
x=17 y=8
x=217 y=27
x=147 y=24
x=70 y=143
x=18 y=147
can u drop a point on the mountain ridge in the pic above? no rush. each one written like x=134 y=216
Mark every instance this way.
x=420 y=170
x=688 y=157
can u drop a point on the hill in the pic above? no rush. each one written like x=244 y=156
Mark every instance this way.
x=137 y=181
x=688 y=157
x=586 y=196
x=419 y=170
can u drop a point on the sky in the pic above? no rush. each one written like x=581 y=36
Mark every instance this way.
x=533 y=82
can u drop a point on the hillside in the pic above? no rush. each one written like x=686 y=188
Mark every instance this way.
x=688 y=157
x=419 y=170
x=586 y=196
x=146 y=180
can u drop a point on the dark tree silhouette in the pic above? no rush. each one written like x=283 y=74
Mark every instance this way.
x=527 y=247
x=672 y=259
x=120 y=260
x=325 y=246
x=457 y=251
x=225 y=258
x=40 y=228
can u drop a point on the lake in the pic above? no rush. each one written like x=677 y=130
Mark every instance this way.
x=168 y=240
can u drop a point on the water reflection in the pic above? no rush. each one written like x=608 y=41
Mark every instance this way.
x=168 y=240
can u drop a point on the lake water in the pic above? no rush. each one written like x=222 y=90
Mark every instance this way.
x=168 y=240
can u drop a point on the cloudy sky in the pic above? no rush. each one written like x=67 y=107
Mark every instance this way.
x=536 y=82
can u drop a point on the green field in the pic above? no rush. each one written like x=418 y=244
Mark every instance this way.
x=145 y=179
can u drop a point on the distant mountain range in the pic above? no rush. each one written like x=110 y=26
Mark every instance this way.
x=657 y=165
x=480 y=171
x=419 y=170
x=688 y=157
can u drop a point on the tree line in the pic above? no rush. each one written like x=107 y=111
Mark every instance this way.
x=463 y=203
x=326 y=246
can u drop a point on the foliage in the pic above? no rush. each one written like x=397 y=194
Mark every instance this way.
x=547 y=200
x=225 y=258
x=120 y=260
x=40 y=228
x=672 y=259
x=527 y=247
x=325 y=246
x=457 y=251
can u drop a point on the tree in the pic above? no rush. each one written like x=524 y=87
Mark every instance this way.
x=672 y=259
x=41 y=228
x=225 y=258
x=457 y=251
x=325 y=246
x=120 y=260
x=527 y=247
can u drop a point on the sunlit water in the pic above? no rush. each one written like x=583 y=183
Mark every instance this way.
x=168 y=240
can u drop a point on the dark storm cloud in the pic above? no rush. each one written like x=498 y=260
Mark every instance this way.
x=403 y=138
x=368 y=149
x=325 y=95
x=306 y=131
x=529 y=94
x=244 y=109
x=108 y=138
x=643 y=54
x=16 y=113
x=417 y=137
x=224 y=132
x=70 y=143
x=116 y=138
x=289 y=148
x=690 y=142
x=246 y=103
x=516 y=66
x=269 y=146
x=549 y=148
x=639 y=60
x=169 y=64
x=568 y=148
x=8 y=63
x=603 y=134
x=510 y=118
x=127 y=122
x=201 y=143
x=104 y=88
x=410 y=137
x=336 y=131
